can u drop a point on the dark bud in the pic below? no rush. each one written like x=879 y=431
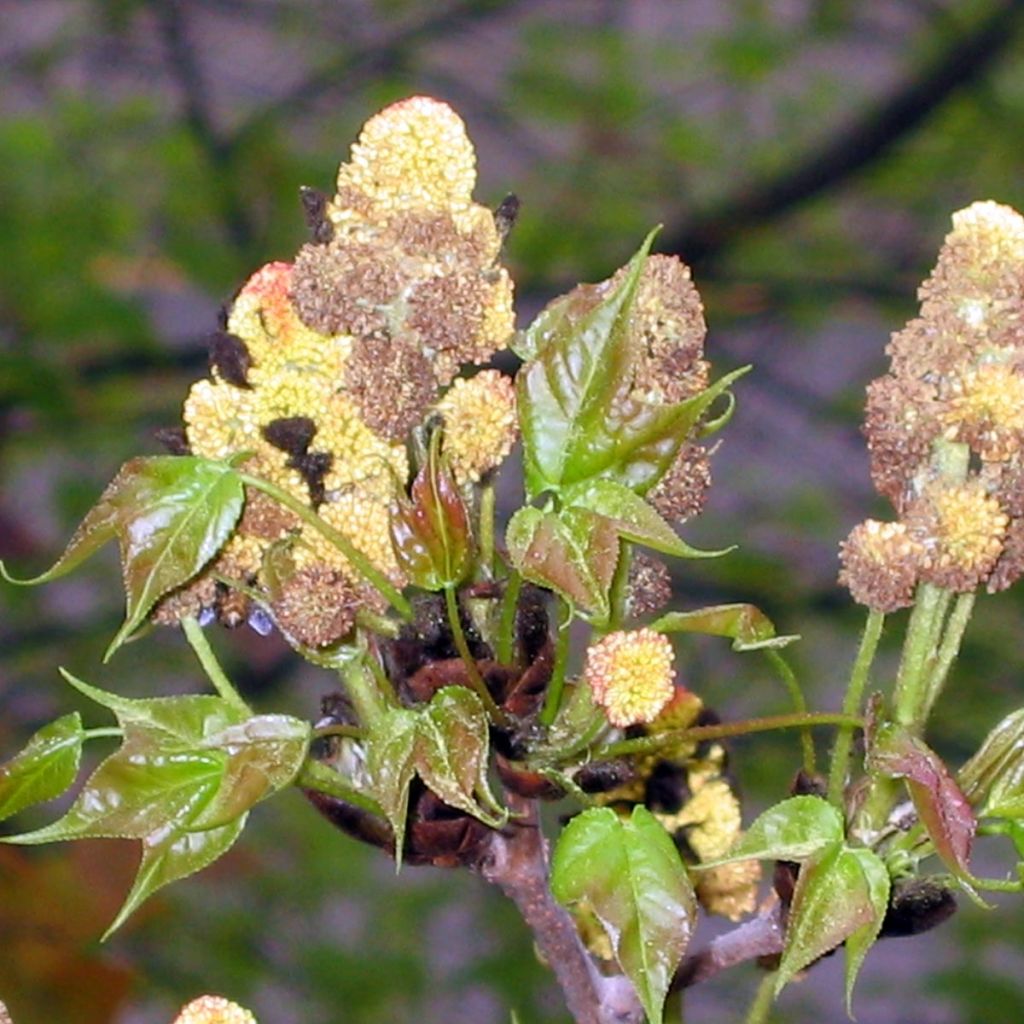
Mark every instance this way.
x=314 y=207
x=784 y=880
x=291 y=434
x=532 y=785
x=313 y=466
x=352 y=820
x=666 y=790
x=173 y=440
x=805 y=784
x=917 y=906
x=604 y=776
x=229 y=357
x=505 y=215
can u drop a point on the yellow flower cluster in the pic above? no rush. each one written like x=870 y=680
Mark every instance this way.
x=214 y=1010
x=945 y=427
x=630 y=675
x=325 y=365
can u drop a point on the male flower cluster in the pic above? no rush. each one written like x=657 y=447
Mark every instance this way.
x=327 y=364
x=945 y=427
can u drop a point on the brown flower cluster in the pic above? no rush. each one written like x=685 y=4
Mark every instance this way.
x=325 y=365
x=945 y=427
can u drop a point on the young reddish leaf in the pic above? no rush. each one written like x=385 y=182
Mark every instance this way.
x=45 y=767
x=630 y=874
x=943 y=809
x=446 y=744
x=171 y=514
x=876 y=878
x=451 y=755
x=795 y=829
x=431 y=533
x=748 y=627
x=993 y=779
x=574 y=554
x=833 y=900
x=634 y=519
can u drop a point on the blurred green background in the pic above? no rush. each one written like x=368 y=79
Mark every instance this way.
x=804 y=157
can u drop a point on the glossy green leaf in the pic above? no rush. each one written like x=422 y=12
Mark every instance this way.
x=795 y=829
x=391 y=766
x=445 y=743
x=940 y=804
x=993 y=779
x=748 y=627
x=171 y=515
x=630 y=874
x=573 y=553
x=187 y=772
x=45 y=767
x=834 y=899
x=878 y=883
x=634 y=519
x=584 y=355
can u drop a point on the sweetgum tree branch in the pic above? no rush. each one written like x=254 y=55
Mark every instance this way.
x=516 y=860
x=855 y=145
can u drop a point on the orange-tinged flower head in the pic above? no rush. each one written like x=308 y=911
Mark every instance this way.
x=986 y=409
x=881 y=564
x=630 y=675
x=214 y=1010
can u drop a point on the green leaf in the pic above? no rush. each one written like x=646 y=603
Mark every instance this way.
x=748 y=627
x=171 y=515
x=182 y=782
x=834 y=899
x=630 y=874
x=44 y=768
x=859 y=942
x=993 y=779
x=446 y=744
x=173 y=854
x=573 y=553
x=795 y=829
x=584 y=355
x=634 y=518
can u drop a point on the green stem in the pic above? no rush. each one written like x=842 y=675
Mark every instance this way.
x=476 y=681
x=789 y=680
x=919 y=646
x=852 y=703
x=102 y=733
x=948 y=650
x=352 y=732
x=366 y=699
x=487 y=501
x=385 y=690
x=318 y=776
x=619 y=590
x=359 y=561
x=204 y=652
x=643 y=744
x=556 y=686
x=507 y=625
x=761 y=1006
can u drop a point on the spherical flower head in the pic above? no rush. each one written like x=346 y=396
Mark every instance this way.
x=881 y=563
x=214 y=1010
x=480 y=424
x=962 y=529
x=630 y=675
x=986 y=409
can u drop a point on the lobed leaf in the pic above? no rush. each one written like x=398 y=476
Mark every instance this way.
x=629 y=873
x=45 y=767
x=171 y=515
x=748 y=627
x=795 y=829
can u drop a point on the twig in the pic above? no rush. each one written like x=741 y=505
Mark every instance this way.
x=516 y=861
x=760 y=936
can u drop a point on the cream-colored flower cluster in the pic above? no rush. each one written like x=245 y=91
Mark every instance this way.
x=945 y=427
x=214 y=1010
x=326 y=365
